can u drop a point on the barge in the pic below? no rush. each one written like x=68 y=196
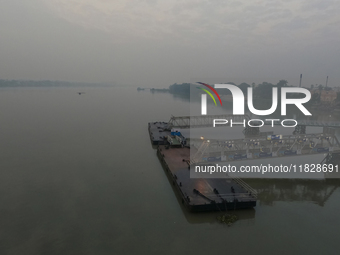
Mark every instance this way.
x=197 y=194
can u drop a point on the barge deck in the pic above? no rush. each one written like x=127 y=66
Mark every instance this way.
x=199 y=194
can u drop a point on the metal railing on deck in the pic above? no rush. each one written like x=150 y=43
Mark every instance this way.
x=243 y=184
x=241 y=197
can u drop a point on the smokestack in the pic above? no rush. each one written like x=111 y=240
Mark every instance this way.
x=326 y=81
x=300 y=80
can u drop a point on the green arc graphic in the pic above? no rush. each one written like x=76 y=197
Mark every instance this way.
x=208 y=94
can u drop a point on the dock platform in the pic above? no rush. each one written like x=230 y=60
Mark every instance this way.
x=158 y=132
x=200 y=194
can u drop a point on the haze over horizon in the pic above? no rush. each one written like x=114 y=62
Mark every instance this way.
x=157 y=43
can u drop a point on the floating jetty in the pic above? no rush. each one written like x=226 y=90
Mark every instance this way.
x=231 y=192
x=158 y=132
x=197 y=194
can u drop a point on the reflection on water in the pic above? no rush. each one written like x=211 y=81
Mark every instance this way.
x=271 y=191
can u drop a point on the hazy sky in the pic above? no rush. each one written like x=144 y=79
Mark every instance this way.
x=156 y=43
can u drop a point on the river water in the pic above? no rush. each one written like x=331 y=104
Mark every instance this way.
x=80 y=176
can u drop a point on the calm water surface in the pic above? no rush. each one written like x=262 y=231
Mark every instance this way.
x=78 y=175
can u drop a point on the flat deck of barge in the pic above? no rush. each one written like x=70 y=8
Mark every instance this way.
x=158 y=132
x=198 y=194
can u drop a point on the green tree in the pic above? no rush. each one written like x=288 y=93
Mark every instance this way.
x=282 y=83
x=244 y=87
